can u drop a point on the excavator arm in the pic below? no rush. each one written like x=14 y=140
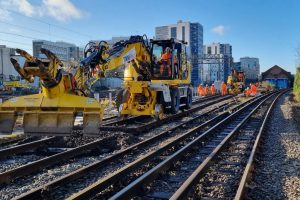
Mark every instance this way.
x=103 y=59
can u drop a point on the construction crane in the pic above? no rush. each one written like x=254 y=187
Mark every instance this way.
x=153 y=85
x=53 y=111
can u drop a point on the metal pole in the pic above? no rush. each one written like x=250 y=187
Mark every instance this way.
x=2 y=74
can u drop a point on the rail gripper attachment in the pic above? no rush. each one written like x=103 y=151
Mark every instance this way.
x=7 y=121
x=91 y=122
x=48 y=122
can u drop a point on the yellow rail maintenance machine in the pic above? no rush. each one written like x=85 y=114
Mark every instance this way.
x=156 y=80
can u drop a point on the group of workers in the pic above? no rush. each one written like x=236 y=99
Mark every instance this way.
x=251 y=91
x=204 y=91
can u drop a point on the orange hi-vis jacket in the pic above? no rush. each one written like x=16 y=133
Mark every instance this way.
x=200 y=91
x=224 y=89
x=247 y=92
x=213 y=90
x=167 y=67
x=207 y=90
x=253 y=89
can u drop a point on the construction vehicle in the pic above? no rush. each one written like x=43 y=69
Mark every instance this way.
x=149 y=89
x=236 y=82
x=53 y=111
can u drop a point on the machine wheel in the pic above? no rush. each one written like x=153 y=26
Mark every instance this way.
x=121 y=97
x=189 y=99
x=175 y=100
x=159 y=112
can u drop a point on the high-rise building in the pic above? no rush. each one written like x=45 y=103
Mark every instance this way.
x=251 y=68
x=7 y=70
x=63 y=50
x=217 y=60
x=192 y=33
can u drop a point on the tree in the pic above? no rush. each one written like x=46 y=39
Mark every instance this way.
x=297 y=77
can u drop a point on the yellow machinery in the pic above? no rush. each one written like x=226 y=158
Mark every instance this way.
x=156 y=75
x=156 y=81
x=53 y=111
x=8 y=85
x=236 y=82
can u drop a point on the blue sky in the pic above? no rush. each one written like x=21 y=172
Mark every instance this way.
x=269 y=29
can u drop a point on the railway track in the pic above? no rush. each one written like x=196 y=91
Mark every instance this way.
x=146 y=169
x=214 y=159
x=132 y=151
x=146 y=123
x=37 y=163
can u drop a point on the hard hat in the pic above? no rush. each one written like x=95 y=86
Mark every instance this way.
x=213 y=84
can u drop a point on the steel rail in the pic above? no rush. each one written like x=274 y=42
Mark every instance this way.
x=145 y=127
x=37 y=193
x=134 y=187
x=185 y=188
x=112 y=178
x=247 y=172
x=25 y=147
x=38 y=165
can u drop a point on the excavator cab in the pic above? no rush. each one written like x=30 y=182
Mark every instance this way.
x=167 y=61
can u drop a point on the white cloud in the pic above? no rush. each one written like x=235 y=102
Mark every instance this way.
x=22 y=6
x=220 y=30
x=14 y=30
x=5 y=15
x=61 y=10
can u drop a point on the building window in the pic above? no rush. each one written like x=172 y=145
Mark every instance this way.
x=208 y=50
x=173 y=32
x=216 y=50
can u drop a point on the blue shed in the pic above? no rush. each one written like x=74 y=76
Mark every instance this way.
x=278 y=77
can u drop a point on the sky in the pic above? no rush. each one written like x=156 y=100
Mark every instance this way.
x=266 y=29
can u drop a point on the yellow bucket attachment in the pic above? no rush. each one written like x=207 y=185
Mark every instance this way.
x=7 y=121
x=91 y=122
x=48 y=122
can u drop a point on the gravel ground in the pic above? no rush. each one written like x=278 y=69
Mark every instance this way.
x=277 y=172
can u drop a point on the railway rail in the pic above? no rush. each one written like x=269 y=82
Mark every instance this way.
x=216 y=152
x=132 y=150
x=166 y=157
x=148 y=123
x=40 y=163
x=176 y=163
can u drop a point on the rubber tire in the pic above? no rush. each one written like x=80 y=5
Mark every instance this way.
x=175 y=100
x=189 y=99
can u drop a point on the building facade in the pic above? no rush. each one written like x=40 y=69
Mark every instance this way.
x=192 y=33
x=251 y=68
x=64 y=51
x=278 y=77
x=7 y=70
x=217 y=60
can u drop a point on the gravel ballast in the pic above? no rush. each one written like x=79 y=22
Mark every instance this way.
x=277 y=169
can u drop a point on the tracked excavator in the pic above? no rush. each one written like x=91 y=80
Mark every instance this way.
x=156 y=74
x=156 y=80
